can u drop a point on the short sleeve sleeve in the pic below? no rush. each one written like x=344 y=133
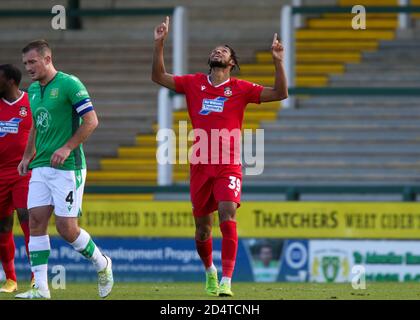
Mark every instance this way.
x=253 y=92
x=79 y=97
x=180 y=84
x=183 y=82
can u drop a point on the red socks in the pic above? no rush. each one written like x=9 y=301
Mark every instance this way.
x=205 y=251
x=229 y=247
x=7 y=254
x=7 y=250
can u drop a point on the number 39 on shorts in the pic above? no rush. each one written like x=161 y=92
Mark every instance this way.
x=235 y=183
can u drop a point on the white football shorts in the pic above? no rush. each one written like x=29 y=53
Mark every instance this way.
x=62 y=189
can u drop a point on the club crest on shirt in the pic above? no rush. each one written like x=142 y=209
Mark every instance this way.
x=212 y=105
x=23 y=112
x=228 y=91
x=54 y=93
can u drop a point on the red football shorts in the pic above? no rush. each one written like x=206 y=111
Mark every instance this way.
x=212 y=183
x=13 y=192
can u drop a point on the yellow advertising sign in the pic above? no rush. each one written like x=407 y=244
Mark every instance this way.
x=351 y=220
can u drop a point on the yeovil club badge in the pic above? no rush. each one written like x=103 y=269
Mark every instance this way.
x=54 y=93
x=228 y=92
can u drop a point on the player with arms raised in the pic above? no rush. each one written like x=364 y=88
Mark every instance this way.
x=217 y=101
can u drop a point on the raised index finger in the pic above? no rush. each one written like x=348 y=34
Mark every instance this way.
x=274 y=39
x=167 y=22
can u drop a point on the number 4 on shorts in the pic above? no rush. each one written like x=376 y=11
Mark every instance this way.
x=69 y=197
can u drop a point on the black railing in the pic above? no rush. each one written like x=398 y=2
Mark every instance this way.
x=369 y=9
x=292 y=193
x=74 y=13
x=345 y=91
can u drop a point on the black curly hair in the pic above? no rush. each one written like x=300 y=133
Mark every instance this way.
x=233 y=56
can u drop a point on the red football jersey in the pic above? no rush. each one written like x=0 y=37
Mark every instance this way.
x=15 y=124
x=217 y=108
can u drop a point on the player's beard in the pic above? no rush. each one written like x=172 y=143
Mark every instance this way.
x=218 y=64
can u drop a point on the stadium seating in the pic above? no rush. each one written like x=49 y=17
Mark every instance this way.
x=325 y=140
x=346 y=140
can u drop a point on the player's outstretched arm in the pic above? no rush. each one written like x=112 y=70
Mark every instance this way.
x=28 y=154
x=159 y=74
x=279 y=92
x=90 y=122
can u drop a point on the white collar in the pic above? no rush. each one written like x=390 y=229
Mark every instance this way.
x=16 y=101
x=221 y=84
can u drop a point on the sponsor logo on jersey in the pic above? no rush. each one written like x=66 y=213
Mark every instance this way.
x=203 y=88
x=23 y=112
x=54 y=93
x=228 y=91
x=212 y=105
x=11 y=126
x=43 y=120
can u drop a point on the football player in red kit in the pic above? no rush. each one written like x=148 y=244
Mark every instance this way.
x=15 y=124
x=216 y=103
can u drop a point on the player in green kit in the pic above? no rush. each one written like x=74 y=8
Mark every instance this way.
x=63 y=118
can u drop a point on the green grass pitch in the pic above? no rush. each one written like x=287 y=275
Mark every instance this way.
x=243 y=291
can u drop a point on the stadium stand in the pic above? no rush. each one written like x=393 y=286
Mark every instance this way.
x=326 y=140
